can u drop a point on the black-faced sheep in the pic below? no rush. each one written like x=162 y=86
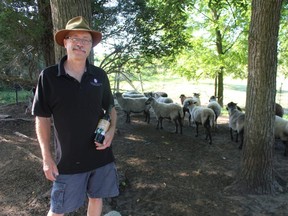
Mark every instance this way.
x=279 y=110
x=154 y=94
x=215 y=106
x=184 y=101
x=133 y=105
x=161 y=99
x=196 y=98
x=171 y=111
x=236 y=122
x=204 y=116
x=183 y=97
x=281 y=132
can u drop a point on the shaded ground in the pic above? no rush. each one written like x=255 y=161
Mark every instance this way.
x=161 y=173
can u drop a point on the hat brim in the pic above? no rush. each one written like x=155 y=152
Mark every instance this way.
x=61 y=34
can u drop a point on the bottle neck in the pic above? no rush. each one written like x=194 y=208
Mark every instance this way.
x=108 y=111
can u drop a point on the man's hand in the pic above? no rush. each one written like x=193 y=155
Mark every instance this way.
x=50 y=169
x=109 y=135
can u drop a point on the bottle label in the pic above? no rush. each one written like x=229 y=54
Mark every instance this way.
x=104 y=124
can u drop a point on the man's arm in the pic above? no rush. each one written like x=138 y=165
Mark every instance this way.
x=43 y=131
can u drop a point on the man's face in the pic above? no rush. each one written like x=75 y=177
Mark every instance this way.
x=78 y=44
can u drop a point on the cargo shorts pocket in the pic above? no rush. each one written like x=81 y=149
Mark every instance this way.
x=57 y=195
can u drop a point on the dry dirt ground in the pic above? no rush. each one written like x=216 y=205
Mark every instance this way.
x=161 y=173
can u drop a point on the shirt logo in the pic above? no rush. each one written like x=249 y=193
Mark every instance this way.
x=95 y=82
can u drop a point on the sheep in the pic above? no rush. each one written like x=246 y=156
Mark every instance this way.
x=163 y=99
x=132 y=94
x=215 y=106
x=152 y=94
x=279 y=110
x=171 y=111
x=133 y=105
x=185 y=102
x=236 y=122
x=204 y=116
x=196 y=97
x=160 y=96
x=183 y=97
x=281 y=131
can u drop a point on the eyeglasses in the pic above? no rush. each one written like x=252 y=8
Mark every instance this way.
x=79 y=40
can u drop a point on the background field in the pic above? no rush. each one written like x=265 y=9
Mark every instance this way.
x=234 y=89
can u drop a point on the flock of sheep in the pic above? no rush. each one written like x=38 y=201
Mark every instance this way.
x=164 y=108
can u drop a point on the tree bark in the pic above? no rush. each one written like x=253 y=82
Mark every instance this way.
x=256 y=174
x=220 y=86
x=64 y=10
x=47 y=37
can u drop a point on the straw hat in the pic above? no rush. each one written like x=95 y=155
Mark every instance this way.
x=77 y=24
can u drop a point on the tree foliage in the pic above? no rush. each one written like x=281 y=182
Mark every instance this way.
x=196 y=39
x=283 y=43
x=20 y=37
x=141 y=31
x=218 y=32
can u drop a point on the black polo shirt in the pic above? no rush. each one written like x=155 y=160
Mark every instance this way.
x=76 y=109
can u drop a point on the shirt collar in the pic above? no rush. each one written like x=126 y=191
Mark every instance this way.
x=61 y=70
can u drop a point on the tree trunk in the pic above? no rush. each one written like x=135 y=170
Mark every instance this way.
x=64 y=10
x=220 y=52
x=256 y=175
x=220 y=87
x=216 y=86
x=47 y=37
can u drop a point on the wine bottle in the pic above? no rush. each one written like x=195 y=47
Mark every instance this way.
x=103 y=126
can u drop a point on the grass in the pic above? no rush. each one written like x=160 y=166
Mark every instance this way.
x=10 y=97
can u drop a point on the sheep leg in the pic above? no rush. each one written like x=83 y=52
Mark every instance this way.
x=197 y=125
x=286 y=148
x=208 y=131
x=231 y=134
x=148 y=117
x=127 y=117
x=176 y=126
x=241 y=134
x=160 y=119
x=158 y=122
x=236 y=136
x=208 y=134
x=216 y=117
x=181 y=124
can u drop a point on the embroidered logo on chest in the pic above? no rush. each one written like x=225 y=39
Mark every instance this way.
x=94 y=82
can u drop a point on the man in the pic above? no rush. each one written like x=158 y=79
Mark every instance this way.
x=74 y=94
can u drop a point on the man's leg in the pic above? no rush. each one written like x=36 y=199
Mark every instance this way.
x=94 y=207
